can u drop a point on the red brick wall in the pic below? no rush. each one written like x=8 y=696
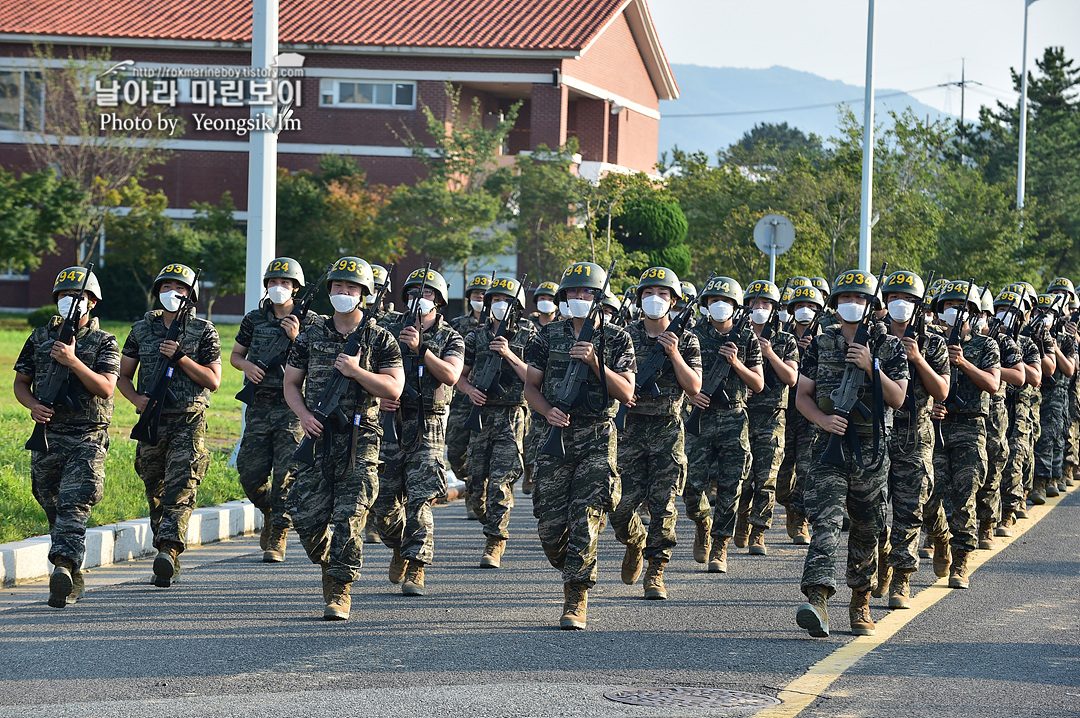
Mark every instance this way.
x=614 y=63
x=592 y=128
x=638 y=139
x=548 y=115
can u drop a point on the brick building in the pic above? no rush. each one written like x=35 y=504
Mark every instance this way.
x=590 y=69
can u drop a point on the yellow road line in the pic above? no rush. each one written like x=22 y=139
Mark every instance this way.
x=802 y=691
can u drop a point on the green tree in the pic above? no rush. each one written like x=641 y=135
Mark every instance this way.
x=220 y=248
x=34 y=208
x=657 y=229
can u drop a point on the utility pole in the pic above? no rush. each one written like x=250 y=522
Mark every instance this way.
x=865 y=222
x=964 y=82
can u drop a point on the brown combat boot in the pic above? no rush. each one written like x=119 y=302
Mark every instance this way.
x=958 y=574
x=78 y=586
x=802 y=531
x=757 y=542
x=862 y=624
x=527 y=483
x=61 y=582
x=1068 y=476
x=414 y=579
x=1037 y=495
x=718 y=555
x=275 y=545
x=493 y=552
x=986 y=535
x=884 y=571
x=396 y=573
x=702 y=539
x=631 y=564
x=942 y=556
x=339 y=601
x=813 y=615
x=927 y=548
x=1020 y=512
x=327 y=583
x=742 y=530
x=264 y=535
x=575 y=605
x=654 y=580
x=900 y=589
x=789 y=522
x=1051 y=488
x=371 y=531
x=1005 y=527
x=166 y=564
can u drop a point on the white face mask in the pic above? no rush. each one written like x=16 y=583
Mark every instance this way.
x=344 y=303
x=426 y=305
x=499 y=309
x=760 y=316
x=579 y=308
x=1006 y=319
x=369 y=299
x=704 y=311
x=949 y=316
x=64 y=306
x=564 y=309
x=720 y=311
x=655 y=307
x=279 y=295
x=1048 y=321
x=851 y=312
x=805 y=315
x=170 y=300
x=785 y=316
x=901 y=310
x=980 y=324
x=477 y=306
x=546 y=306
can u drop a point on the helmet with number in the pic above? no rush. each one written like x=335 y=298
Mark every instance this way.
x=284 y=268
x=807 y=293
x=822 y=286
x=1052 y=302
x=548 y=288
x=504 y=285
x=762 y=289
x=903 y=282
x=957 y=290
x=378 y=273
x=689 y=291
x=800 y=281
x=721 y=287
x=72 y=279
x=659 y=277
x=1008 y=299
x=1022 y=287
x=352 y=269
x=610 y=300
x=582 y=274
x=435 y=281
x=178 y=273
x=785 y=298
x=1074 y=303
x=478 y=281
x=854 y=281
x=987 y=301
x=1062 y=284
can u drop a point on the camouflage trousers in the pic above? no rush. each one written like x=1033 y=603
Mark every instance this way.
x=1050 y=447
x=1020 y=461
x=171 y=472
x=408 y=485
x=265 y=463
x=68 y=481
x=988 y=494
x=328 y=501
x=767 y=445
x=828 y=490
x=494 y=464
x=652 y=470
x=1071 y=443
x=959 y=470
x=791 y=474
x=911 y=480
x=457 y=436
x=719 y=456
x=572 y=496
x=535 y=435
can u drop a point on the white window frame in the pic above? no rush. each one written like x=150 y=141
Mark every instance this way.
x=22 y=97
x=330 y=88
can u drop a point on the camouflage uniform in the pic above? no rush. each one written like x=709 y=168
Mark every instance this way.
x=327 y=501
x=457 y=436
x=1019 y=433
x=571 y=495
x=988 y=495
x=651 y=454
x=494 y=460
x=535 y=424
x=69 y=479
x=271 y=429
x=791 y=474
x=830 y=488
x=720 y=454
x=1050 y=447
x=412 y=478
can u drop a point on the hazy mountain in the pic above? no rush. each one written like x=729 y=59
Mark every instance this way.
x=730 y=89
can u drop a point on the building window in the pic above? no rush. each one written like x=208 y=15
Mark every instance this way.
x=367 y=94
x=22 y=100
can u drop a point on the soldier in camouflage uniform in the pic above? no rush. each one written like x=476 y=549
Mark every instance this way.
x=383 y=316
x=457 y=436
x=1050 y=448
x=328 y=500
x=828 y=315
x=172 y=469
x=494 y=460
x=720 y=454
x=960 y=460
x=68 y=478
x=651 y=453
x=858 y=484
x=414 y=472
x=271 y=430
x=572 y=494
x=547 y=311
x=767 y=413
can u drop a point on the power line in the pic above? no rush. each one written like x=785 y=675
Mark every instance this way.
x=805 y=107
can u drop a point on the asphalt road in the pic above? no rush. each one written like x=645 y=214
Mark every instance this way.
x=238 y=637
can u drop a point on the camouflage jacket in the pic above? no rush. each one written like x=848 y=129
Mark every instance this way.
x=1010 y=357
x=670 y=401
x=442 y=341
x=477 y=354
x=199 y=341
x=775 y=394
x=711 y=340
x=984 y=353
x=936 y=355
x=258 y=329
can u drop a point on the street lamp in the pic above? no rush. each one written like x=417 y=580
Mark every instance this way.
x=1020 y=165
x=865 y=222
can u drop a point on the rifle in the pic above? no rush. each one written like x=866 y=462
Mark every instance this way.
x=146 y=429
x=572 y=391
x=649 y=370
x=772 y=326
x=847 y=397
x=953 y=402
x=916 y=329
x=57 y=387
x=273 y=355
x=329 y=404
x=489 y=374
x=408 y=363
x=1031 y=330
x=715 y=382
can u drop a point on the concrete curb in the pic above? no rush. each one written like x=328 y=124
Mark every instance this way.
x=28 y=560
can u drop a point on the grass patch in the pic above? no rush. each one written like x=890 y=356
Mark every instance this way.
x=124 y=496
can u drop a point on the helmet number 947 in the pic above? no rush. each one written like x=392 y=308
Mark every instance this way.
x=72 y=275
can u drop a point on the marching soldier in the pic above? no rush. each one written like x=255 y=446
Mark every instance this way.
x=385 y=315
x=457 y=436
x=547 y=311
x=1050 y=448
x=172 y=469
x=328 y=499
x=828 y=316
x=67 y=474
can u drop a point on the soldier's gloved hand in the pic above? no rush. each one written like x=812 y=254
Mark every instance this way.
x=41 y=414
x=478 y=397
x=254 y=374
x=557 y=417
x=291 y=325
x=834 y=424
x=64 y=353
x=700 y=400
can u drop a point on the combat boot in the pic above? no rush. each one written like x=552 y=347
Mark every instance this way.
x=414 y=579
x=575 y=605
x=718 y=555
x=900 y=589
x=802 y=531
x=813 y=615
x=942 y=556
x=78 y=586
x=1070 y=472
x=1061 y=486
x=631 y=564
x=371 y=531
x=527 y=483
x=884 y=571
x=757 y=542
x=862 y=624
x=702 y=539
x=1020 y=512
x=493 y=552
x=339 y=602
x=742 y=530
x=264 y=535
x=166 y=564
x=61 y=582
x=1050 y=487
x=986 y=535
x=327 y=582
x=654 y=580
x=927 y=548
x=1005 y=527
x=1037 y=495
x=275 y=545
x=396 y=573
x=958 y=575
x=789 y=522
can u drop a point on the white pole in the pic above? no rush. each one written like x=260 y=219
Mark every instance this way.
x=1021 y=162
x=772 y=253
x=868 y=149
x=262 y=159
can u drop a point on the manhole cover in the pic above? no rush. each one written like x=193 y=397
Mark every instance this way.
x=683 y=697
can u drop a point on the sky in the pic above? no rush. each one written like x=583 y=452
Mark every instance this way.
x=917 y=43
